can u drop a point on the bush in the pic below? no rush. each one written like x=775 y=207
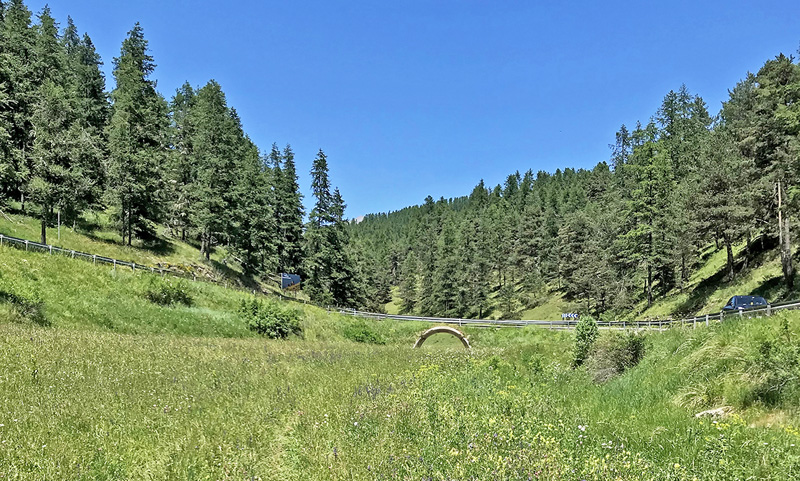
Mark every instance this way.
x=585 y=335
x=169 y=291
x=615 y=353
x=270 y=319
x=362 y=332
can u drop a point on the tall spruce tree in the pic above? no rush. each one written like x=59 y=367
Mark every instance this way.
x=316 y=256
x=327 y=265
x=215 y=150
x=290 y=222
x=20 y=88
x=776 y=133
x=85 y=85
x=408 y=283
x=182 y=168
x=137 y=140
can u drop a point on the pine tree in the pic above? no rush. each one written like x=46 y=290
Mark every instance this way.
x=137 y=139
x=51 y=178
x=445 y=287
x=317 y=248
x=18 y=98
x=646 y=242
x=720 y=200
x=342 y=271
x=215 y=151
x=254 y=220
x=85 y=85
x=408 y=283
x=289 y=211
x=777 y=142
x=182 y=173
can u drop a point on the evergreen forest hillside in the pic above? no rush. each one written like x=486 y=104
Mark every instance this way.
x=691 y=205
x=179 y=172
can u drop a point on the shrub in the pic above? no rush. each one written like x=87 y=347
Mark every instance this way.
x=362 y=332
x=169 y=291
x=615 y=353
x=270 y=319
x=585 y=335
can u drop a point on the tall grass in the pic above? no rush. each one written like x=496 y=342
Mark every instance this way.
x=98 y=405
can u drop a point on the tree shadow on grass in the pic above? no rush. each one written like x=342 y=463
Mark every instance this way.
x=157 y=246
x=29 y=309
x=761 y=251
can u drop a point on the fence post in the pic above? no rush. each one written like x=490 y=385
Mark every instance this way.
x=26 y=246
x=706 y=320
x=73 y=254
x=741 y=313
x=695 y=323
x=115 y=265
x=51 y=250
x=94 y=259
x=769 y=310
x=133 y=266
x=1 y=239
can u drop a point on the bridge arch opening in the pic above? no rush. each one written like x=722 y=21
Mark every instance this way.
x=442 y=330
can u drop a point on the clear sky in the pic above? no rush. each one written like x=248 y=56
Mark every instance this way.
x=416 y=97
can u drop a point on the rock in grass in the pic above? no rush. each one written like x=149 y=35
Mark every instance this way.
x=719 y=412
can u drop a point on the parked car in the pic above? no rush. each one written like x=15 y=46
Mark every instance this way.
x=744 y=302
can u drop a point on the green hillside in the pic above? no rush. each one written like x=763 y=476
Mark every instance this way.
x=109 y=385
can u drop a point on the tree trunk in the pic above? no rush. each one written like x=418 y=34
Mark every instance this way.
x=44 y=227
x=747 y=249
x=684 y=274
x=785 y=241
x=786 y=255
x=649 y=285
x=729 y=249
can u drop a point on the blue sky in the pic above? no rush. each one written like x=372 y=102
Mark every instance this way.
x=410 y=98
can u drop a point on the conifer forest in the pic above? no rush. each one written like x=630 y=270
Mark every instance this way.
x=623 y=233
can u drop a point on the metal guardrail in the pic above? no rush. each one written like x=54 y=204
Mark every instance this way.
x=32 y=246
x=94 y=258
x=659 y=324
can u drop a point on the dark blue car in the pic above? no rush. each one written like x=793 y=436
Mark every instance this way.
x=744 y=302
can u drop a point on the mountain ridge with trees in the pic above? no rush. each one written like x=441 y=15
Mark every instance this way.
x=624 y=233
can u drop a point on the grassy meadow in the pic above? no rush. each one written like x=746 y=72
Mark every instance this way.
x=88 y=404
x=100 y=382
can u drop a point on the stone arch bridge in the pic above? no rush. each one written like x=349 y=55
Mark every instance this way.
x=443 y=330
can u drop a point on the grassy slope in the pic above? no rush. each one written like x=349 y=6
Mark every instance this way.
x=119 y=388
x=92 y=238
x=84 y=404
